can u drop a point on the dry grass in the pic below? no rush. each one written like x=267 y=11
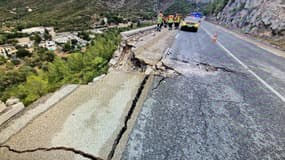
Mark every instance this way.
x=277 y=42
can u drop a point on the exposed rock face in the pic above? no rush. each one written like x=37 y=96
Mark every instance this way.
x=260 y=17
x=201 y=1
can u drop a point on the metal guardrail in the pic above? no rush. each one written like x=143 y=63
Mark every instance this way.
x=130 y=33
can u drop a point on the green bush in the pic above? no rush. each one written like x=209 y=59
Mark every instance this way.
x=182 y=6
x=3 y=39
x=47 y=36
x=2 y=60
x=16 y=62
x=84 y=35
x=44 y=55
x=67 y=47
x=22 y=52
x=10 y=37
x=35 y=87
x=79 y=67
x=37 y=38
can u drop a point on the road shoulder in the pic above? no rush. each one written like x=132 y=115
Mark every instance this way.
x=253 y=41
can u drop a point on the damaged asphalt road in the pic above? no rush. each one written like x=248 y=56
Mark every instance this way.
x=216 y=109
x=202 y=104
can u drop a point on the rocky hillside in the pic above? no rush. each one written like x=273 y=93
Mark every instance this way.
x=260 y=17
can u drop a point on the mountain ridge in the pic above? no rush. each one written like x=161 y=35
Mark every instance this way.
x=66 y=12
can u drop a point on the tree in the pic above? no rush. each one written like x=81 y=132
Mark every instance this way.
x=47 y=36
x=20 y=27
x=2 y=60
x=67 y=47
x=16 y=61
x=58 y=71
x=22 y=52
x=34 y=88
x=37 y=38
x=84 y=35
x=44 y=54
x=3 y=39
x=74 y=42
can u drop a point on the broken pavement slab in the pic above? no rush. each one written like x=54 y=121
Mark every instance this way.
x=135 y=54
x=152 y=50
x=88 y=120
x=15 y=125
x=10 y=112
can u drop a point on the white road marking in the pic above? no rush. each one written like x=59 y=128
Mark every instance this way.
x=177 y=36
x=253 y=42
x=248 y=69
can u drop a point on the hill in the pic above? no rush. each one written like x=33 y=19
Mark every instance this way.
x=262 y=18
x=72 y=14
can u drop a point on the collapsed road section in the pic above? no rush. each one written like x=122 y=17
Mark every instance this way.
x=94 y=120
x=88 y=120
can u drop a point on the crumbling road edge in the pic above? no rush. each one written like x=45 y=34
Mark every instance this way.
x=128 y=117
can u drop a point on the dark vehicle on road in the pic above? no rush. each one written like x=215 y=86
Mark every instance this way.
x=191 y=24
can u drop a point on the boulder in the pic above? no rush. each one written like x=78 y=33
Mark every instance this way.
x=132 y=43
x=149 y=70
x=98 y=78
x=159 y=65
x=113 y=62
x=12 y=101
x=2 y=106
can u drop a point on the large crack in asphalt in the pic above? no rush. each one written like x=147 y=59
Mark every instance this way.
x=167 y=67
x=127 y=118
x=61 y=148
x=159 y=83
x=210 y=68
x=207 y=67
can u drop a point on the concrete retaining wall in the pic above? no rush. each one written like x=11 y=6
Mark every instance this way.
x=19 y=123
x=131 y=33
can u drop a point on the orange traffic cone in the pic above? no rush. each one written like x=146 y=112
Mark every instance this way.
x=215 y=37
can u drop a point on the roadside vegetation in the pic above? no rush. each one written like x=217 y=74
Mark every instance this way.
x=8 y=38
x=183 y=7
x=215 y=7
x=43 y=71
x=71 y=15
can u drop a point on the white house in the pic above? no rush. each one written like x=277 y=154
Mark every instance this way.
x=40 y=30
x=7 y=50
x=34 y=30
x=66 y=37
x=51 y=45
